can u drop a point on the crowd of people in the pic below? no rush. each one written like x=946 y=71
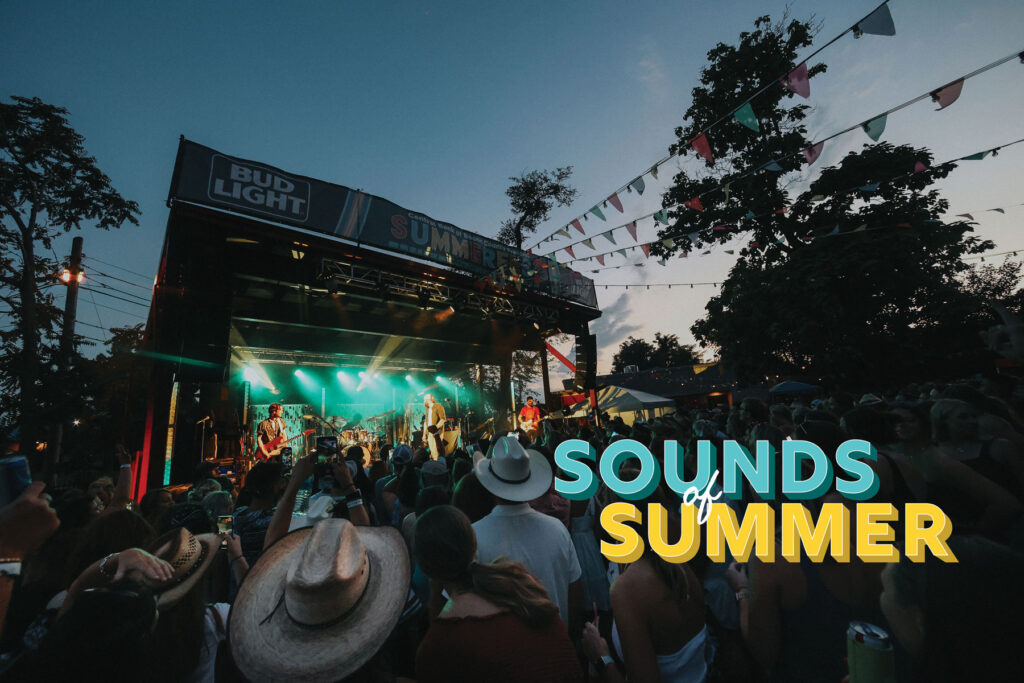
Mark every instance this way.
x=471 y=567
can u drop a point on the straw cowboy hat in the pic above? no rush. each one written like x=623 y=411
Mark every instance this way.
x=512 y=472
x=189 y=555
x=319 y=602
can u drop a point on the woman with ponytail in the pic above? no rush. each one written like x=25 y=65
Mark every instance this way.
x=498 y=625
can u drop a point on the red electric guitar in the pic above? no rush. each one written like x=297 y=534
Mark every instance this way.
x=274 y=446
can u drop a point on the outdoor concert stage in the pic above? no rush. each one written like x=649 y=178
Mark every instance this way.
x=274 y=287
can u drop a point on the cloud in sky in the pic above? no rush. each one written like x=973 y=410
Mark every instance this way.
x=651 y=72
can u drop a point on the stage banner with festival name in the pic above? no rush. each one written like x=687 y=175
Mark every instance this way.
x=205 y=176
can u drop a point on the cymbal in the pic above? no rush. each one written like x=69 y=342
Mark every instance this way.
x=377 y=417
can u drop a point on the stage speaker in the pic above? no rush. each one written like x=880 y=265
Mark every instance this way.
x=586 y=361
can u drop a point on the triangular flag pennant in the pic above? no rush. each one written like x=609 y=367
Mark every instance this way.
x=668 y=242
x=579 y=226
x=862 y=227
x=975 y=157
x=683 y=254
x=600 y=259
x=813 y=152
x=781 y=212
x=632 y=230
x=700 y=144
x=729 y=251
x=727 y=189
x=797 y=81
x=723 y=227
x=647 y=249
x=614 y=199
x=770 y=166
x=661 y=262
x=706 y=252
x=948 y=94
x=694 y=204
x=661 y=217
x=878 y=23
x=597 y=212
x=818 y=198
x=753 y=244
x=965 y=215
x=638 y=185
x=835 y=230
x=654 y=171
x=920 y=166
x=589 y=243
x=639 y=265
x=999 y=210
x=609 y=236
x=568 y=250
x=562 y=233
x=750 y=214
x=870 y=187
x=746 y=116
x=621 y=251
x=875 y=127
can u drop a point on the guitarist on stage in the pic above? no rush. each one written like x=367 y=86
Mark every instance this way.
x=433 y=426
x=269 y=430
x=529 y=419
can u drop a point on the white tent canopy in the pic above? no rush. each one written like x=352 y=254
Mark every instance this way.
x=629 y=404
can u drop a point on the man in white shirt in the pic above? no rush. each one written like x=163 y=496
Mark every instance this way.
x=515 y=476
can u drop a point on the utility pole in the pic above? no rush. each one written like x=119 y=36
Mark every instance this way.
x=72 y=278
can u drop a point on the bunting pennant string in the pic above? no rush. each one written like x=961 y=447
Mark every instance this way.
x=870 y=187
x=875 y=126
x=797 y=81
x=600 y=259
x=632 y=230
x=661 y=217
x=793 y=77
x=948 y=94
x=597 y=212
x=813 y=152
x=638 y=185
x=877 y=23
x=701 y=146
x=576 y=224
x=568 y=250
x=610 y=237
x=614 y=199
x=745 y=115
x=647 y=250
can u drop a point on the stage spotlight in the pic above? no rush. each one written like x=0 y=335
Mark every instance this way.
x=376 y=375
x=439 y=378
x=362 y=374
x=250 y=376
x=299 y=373
x=408 y=378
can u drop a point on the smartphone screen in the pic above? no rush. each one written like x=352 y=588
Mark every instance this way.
x=224 y=524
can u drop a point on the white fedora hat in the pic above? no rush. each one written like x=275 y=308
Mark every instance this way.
x=319 y=603
x=512 y=472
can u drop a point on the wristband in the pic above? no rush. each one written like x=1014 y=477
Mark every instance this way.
x=103 y=566
x=603 y=664
x=126 y=466
x=10 y=568
x=743 y=594
x=353 y=503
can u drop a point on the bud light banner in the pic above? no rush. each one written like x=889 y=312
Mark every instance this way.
x=205 y=176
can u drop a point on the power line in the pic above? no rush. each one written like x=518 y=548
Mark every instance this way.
x=114 y=265
x=111 y=308
x=127 y=282
x=104 y=285
x=113 y=296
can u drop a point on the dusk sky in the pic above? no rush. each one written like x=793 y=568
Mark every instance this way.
x=433 y=105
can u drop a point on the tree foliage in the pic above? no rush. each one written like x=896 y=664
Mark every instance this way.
x=664 y=352
x=48 y=185
x=852 y=277
x=532 y=196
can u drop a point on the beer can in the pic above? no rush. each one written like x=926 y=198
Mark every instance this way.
x=869 y=654
x=14 y=478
